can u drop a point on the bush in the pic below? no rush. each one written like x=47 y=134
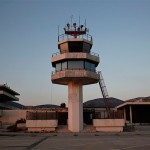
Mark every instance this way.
x=21 y=121
x=12 y=128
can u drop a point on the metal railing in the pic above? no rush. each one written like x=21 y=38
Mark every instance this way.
x=113 y=114
x=97 y=72
x=55 y=54
x=85 y=36
x=92 y=53
x=46 y=115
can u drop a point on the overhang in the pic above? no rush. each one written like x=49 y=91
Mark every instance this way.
x=5 y=96
x=75 y=56
x=8 y=90
x=132 y=103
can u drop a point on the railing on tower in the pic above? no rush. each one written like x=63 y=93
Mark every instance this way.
x=91 y=53
x=74 y=31
x=103 y=114
x=64 y=36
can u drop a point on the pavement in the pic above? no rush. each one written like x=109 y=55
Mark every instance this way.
x=138 y=140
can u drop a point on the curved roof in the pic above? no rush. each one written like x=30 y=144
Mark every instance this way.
x=17 y=105
x=99 y=103
x=47 y=106
x=11 y=105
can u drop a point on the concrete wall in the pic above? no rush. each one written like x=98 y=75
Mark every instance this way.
x=109 y=125
x=41 y=125
x=11 y=116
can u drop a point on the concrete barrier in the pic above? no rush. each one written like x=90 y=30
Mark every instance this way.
x=109 y=125
x=41 y=125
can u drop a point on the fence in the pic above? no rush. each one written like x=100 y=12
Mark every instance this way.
x=63 y=116
x=113 y=115
x=45 y=115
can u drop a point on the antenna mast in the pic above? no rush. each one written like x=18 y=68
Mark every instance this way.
x=74 y=29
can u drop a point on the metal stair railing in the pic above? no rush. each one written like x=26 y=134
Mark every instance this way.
x=104 y=94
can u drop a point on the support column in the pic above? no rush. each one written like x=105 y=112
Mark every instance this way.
x=130 y=114
x=124 y=110
x=75 y=107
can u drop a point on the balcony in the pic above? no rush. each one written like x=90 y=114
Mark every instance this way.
x=75 y=75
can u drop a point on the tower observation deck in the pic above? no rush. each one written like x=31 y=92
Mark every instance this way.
x=75 y=66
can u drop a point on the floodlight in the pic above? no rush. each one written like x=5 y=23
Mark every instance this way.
x=68 y=25
x=74 y=24
x=81 y=26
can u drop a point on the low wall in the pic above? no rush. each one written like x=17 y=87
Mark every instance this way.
x=10 y=117
x=41 y=125
x=109 y=125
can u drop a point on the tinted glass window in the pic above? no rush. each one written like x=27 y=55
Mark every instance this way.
x=64 y=65
x=58 y=67
x=75 y=64
x=89 y=66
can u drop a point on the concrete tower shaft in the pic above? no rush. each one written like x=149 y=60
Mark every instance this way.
x=75 y=66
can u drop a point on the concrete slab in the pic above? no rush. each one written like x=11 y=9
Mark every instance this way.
x=75 y=141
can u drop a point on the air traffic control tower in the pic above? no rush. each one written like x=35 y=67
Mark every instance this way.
x=75 y=66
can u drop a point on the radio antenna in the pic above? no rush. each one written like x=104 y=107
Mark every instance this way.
x=79 y=20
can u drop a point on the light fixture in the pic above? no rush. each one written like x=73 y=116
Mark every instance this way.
x=81 y=26
x=68 y=25
x=74 y=24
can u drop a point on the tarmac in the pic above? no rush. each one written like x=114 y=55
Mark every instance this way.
x=138 y=140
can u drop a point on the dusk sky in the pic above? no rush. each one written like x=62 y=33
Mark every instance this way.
x=28 y=38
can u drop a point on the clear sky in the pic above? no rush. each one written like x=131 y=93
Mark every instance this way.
x=28 y=38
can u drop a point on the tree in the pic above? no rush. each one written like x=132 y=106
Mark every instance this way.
x=63 y=105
